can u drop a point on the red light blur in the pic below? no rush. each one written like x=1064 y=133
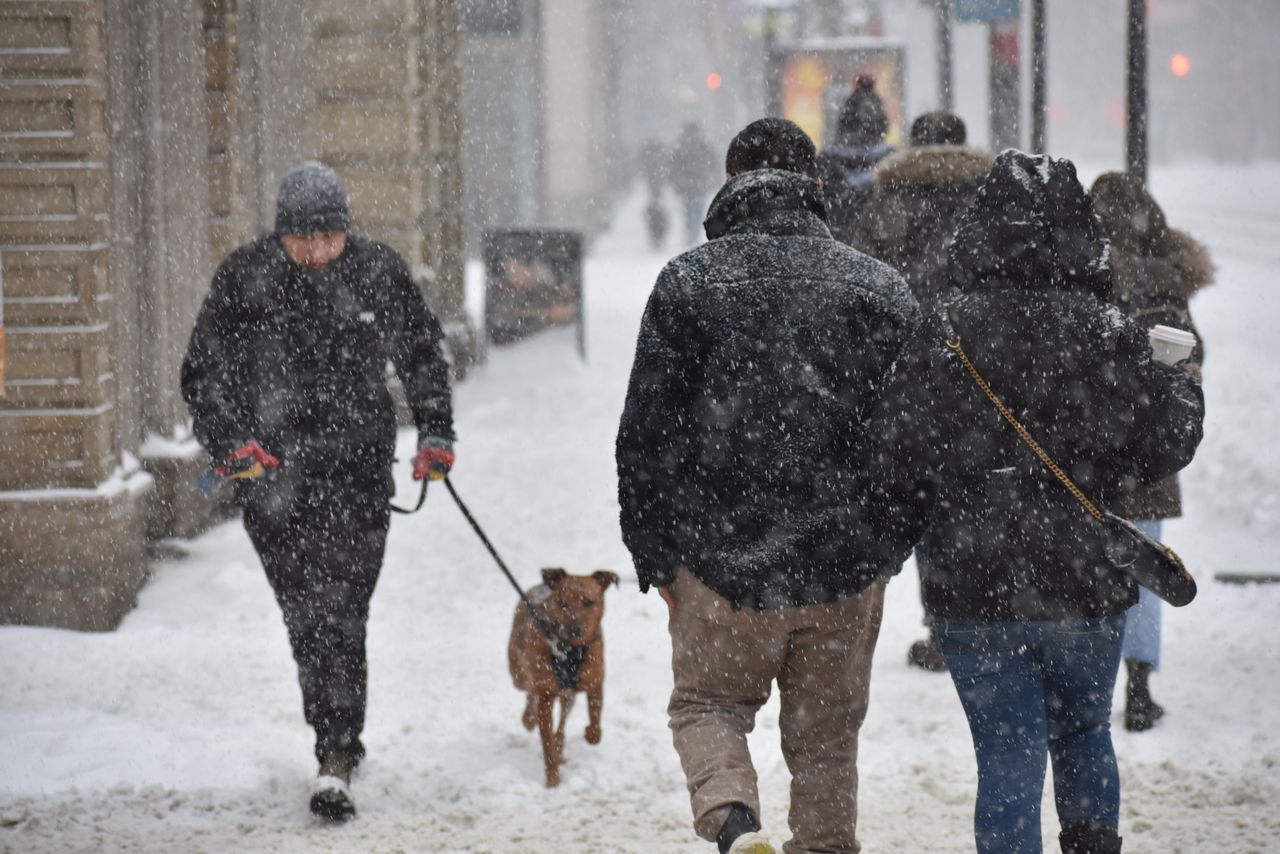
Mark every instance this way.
x=713 y=81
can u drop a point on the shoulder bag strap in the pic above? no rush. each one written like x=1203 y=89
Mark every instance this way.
x=954 y=344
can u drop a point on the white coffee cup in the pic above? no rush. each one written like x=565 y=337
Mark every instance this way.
x=1169 y=344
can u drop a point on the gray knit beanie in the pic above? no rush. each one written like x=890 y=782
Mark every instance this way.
x=311 y=198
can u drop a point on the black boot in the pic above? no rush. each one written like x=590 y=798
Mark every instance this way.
x=1140 y=711
x=927 y=655
x=331 y=799
x=741 y=820
x=1089 y=839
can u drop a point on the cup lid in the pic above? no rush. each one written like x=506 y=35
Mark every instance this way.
x=1172 y=334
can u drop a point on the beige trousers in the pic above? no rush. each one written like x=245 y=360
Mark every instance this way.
x=724 y=663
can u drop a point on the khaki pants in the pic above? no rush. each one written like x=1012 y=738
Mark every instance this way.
x=724 y=663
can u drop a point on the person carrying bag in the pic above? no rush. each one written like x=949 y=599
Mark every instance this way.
x=1027 y=583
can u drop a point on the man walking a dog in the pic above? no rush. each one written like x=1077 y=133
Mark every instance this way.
x=285 y=377
x=741 y=497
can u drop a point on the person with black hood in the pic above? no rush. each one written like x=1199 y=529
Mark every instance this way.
x=1156 y=271
x=286 y=374
x=1029 y=612
x=847 y=165
x=759 y=354
x=919 y=195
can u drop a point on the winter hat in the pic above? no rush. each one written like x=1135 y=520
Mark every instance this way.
x=938 y=128
x=1032 y=225
x=863 y=118
x=311 y=198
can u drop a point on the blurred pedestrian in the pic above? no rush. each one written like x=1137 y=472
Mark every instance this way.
x=285 y=373
x=694 y=175
x=758 y=355
x=1157 y=269
x=846 y=165
x=918 y=197
x=654 y=164
x=1029 y=612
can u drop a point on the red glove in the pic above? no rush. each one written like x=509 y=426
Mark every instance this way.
x=433 y=461
x=245 y=457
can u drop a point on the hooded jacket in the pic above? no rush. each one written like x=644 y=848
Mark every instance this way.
x=299 y=361
x=919 y=196
x=847 y=171
x=1007 y=540
x=1156 y=270
x=759 y=355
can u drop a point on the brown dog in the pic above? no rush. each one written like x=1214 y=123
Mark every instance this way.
x=570 y=606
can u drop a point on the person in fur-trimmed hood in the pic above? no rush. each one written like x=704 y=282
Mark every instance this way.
x=1156 y=270
x=920 y=193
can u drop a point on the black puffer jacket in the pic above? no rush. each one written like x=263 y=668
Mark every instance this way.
x=759 y=355
x=298 y=361
x=1008 y=541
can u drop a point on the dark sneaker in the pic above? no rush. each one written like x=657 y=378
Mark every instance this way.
x=331 y=800
x=1141 y=715
x=926 y=655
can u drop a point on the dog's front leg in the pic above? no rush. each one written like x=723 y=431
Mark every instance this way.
x=595 y=706
x=551 y=745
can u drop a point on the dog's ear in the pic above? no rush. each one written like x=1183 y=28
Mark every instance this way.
x=604 y=578
x=551 y=576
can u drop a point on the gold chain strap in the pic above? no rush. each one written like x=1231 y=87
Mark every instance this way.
x=1039 y=451
x=1022 y=431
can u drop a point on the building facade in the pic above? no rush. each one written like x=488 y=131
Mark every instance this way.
x=140 y=141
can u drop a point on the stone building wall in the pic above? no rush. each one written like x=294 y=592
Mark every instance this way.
x=141 y=140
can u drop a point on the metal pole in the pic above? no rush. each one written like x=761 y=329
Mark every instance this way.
x=1039 y=72
x=1004 y=87
x=772 y=85
x=946 y=100
x=1136 y=108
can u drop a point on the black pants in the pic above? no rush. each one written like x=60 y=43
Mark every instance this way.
x=322 y=547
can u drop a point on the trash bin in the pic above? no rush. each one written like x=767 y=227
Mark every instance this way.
x=533 y=281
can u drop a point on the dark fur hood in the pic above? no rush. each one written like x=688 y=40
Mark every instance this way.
x=1175 y=265
x=931 y=166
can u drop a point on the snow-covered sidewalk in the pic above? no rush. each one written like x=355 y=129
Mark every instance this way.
x=183 y=731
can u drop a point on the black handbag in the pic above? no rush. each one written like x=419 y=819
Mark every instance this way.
x=1149 y=562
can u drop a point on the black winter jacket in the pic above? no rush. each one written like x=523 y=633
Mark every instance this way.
x=299 y=361
x=1008 y=542
x=758 y=358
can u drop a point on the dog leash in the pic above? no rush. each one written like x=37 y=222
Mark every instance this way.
x=422 y=498
x=560 y=651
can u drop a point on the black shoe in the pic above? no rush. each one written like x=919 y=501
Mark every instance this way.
x=332 y=797
x=332 y=803
x=1089 y=839
x=927 y=655
x=741 y=821
x=1140 y=711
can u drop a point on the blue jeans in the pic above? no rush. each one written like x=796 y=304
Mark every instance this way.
x=1031 y=689
x=1142 y=622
